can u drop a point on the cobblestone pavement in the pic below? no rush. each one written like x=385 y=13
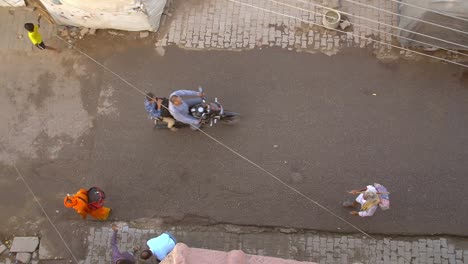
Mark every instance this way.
x=308 y=246
x=14 y=36
x=223 y=24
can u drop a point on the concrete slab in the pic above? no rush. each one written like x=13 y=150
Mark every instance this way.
x=23 y=257
x=3 y=248
x=24 y=244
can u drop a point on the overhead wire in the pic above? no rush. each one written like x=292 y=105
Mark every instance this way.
x=30 y=190
x=352 y=34
x=237 y=153
x=428 y=9
x=213 y=138
x=206 y=134
x=221 y=143
x=405 y=16
x=372 y=29
x=278 y=179
x=392 y=26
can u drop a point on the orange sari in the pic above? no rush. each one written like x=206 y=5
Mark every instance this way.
x=79 y=202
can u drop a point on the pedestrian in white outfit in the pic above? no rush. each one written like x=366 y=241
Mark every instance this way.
x=368 y=199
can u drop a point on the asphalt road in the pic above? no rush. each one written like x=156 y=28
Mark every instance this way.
x=324 y=125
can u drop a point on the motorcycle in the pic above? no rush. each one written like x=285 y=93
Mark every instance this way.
x=210 y=112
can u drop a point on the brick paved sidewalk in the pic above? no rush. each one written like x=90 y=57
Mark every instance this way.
x=315 y=247
x=222 y=24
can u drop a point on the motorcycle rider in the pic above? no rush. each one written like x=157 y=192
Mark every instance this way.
x=157 y=108
x=179 y=104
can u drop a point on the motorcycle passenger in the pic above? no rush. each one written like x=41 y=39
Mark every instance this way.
x=156 y=110
x=179 y=104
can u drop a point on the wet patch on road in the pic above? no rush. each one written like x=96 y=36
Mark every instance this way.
x=44 y=89
x=46 y=106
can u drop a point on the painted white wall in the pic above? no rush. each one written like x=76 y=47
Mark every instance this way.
x=129 y=15
x=11 y=3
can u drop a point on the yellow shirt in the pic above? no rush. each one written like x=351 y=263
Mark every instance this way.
x=34 y=36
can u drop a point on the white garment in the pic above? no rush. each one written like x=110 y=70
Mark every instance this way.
x=360 y=199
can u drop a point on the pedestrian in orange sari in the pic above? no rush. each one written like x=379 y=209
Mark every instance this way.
x=79 y=202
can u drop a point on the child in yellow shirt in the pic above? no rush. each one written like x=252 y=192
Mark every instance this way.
x=35 y=36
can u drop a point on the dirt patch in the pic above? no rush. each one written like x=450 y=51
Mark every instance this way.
x=108 y=43
x=464 y=79
x=44 y=89
x=47 y=104
x=281 y=27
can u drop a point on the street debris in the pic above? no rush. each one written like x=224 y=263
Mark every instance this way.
x=84 y=31
x=160 y=50
x=345 y=24
x=64 y=33
x=24 y=244
x=3 y=248
x=144 y=34
x=71 y=34
x=115 y=33
x=287 y=230
x=331 y=19
x=22 y=250
x=23 y=257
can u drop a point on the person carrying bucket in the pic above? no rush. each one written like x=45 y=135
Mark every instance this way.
x=88 y=202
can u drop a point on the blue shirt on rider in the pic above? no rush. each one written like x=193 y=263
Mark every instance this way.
x=152 y=110
x=181 y=112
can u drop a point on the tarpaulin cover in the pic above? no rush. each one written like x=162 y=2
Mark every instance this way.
x=455 y=15
x=185 y=255
x=129 y=15
x=11 y=3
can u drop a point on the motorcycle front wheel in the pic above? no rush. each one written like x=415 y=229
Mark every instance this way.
x=229 y=118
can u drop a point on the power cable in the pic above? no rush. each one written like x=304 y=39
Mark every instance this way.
x=211 y=137
x=352 y=34
x=237 y=153
x=430 y=10
x=40 y=206
x=264 y=170
x=373 y=29
x=409 y=17
x=18 y=172
x=222 y=144
x=392 y=26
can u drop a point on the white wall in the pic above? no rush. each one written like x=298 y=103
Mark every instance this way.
x=129 y=15
x=11 y=3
